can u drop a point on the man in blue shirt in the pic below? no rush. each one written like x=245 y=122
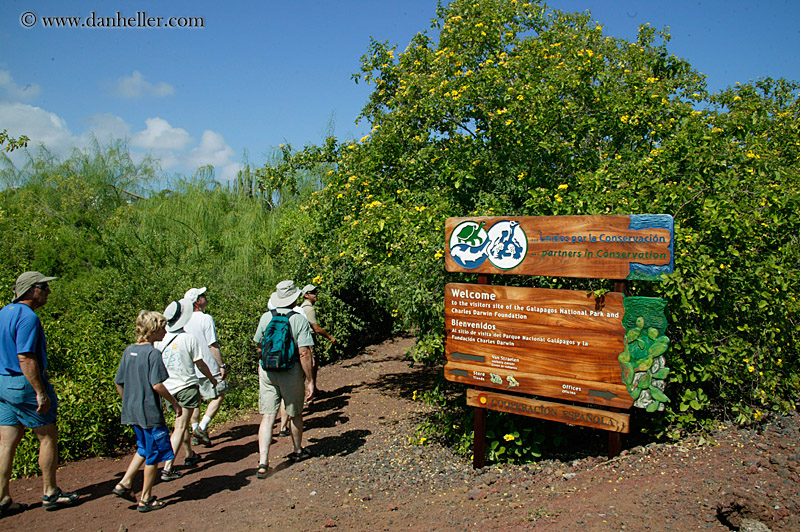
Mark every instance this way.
x=27 y=398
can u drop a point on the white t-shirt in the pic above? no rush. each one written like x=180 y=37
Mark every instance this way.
x=202 y=326
x=179 y=351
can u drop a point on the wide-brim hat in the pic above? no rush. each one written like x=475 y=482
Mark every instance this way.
x=26 y=280
x=285 y=295
x=193 y=293
x=178 y=314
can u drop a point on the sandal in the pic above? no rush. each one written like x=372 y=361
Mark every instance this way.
x=299 y=457
x=121 y=491
x=283 y=432
x=149 y=506
x=170 y=474
x=191 y=461
x=263 y=471
x=59 y=499
x=6 y=510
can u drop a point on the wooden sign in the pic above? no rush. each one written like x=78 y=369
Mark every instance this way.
x=604 y=247
x=555 y=343
x=574 y=415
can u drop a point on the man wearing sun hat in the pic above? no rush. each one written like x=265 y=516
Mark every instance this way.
x=181 y=353
x=288 y=384
x=27 y=399
x=310 y=293
x=202 y=326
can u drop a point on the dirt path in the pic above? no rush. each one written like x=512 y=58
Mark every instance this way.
x=366 y=476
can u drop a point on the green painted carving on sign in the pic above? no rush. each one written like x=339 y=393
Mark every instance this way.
x=643 y=364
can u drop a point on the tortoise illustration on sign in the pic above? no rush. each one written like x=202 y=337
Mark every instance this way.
x=470 y=233
x=504 y=244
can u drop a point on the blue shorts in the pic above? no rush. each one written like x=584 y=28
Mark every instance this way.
x=18 y=403
x=153 y=444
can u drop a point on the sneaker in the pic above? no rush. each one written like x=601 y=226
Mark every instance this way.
x=202 y=435
x=195 y=441
x=170 y=474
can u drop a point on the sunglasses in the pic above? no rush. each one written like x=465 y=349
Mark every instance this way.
x=42 y=286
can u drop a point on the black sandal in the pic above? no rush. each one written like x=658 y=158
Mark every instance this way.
x=191 y=461
x=263 y=471
x=59 y=499
x=151 y=505
x=299 y=457
x=121 y=491
x=6 y=510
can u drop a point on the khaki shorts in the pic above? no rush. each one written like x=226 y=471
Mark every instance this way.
x=288 y=385
x=187 y=398
x=208 y=392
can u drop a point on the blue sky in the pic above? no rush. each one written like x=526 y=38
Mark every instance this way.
x=259 y=74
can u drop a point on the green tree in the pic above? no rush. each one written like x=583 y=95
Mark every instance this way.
x=518 y=109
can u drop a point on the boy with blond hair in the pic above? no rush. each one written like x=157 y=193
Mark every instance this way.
x=139 y=381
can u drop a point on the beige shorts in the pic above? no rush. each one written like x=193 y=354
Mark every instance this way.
x=276 y=385
x=208 y=392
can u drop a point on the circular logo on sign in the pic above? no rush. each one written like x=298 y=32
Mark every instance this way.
x=508 y=244
x=482 y=399
x=468 y=243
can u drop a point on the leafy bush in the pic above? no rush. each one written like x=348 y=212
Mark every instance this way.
x=522 y=110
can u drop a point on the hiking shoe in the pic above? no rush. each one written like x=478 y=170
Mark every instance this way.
x=202 y=436
x=170 y=474
x=195 y=441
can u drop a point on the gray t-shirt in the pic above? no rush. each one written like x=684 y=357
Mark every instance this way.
x=139 y=370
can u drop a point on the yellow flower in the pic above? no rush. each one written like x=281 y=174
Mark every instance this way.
x=751 y=369
x=508 y=437
x=364 y=138
x=563 y=186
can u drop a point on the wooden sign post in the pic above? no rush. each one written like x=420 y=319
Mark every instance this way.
x=562 y=344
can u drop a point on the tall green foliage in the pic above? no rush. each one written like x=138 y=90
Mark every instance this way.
x=522 y=110
x=118 y=247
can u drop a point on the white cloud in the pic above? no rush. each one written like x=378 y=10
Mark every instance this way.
x=14 y=92
x=160 y=135
x=215 y=151
x=40 y=126
x=106 y=127
x=135 y=86
x=170 y=146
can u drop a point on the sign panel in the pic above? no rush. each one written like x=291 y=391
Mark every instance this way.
x=603 y=247
x=575 y=415
x=556 y=343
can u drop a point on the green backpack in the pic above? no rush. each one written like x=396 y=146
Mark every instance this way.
x=279 y=351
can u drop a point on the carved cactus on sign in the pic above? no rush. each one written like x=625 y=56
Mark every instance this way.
x=644 y=367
